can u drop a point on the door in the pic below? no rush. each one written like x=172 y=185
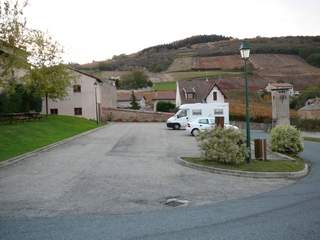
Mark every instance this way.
x=219 y=121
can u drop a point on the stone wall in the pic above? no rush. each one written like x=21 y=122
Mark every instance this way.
x=127 y=115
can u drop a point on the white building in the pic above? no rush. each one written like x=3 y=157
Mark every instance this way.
x=198 y=91
x=86 y=97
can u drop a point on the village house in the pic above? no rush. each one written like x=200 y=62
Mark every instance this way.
x=86 y=97
x=311 y=110
x=199 y=91
x=146 y=99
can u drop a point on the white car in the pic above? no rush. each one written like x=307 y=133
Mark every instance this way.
x=200 y=124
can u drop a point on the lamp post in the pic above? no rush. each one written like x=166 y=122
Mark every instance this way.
x=96 y=102
x=245 y=54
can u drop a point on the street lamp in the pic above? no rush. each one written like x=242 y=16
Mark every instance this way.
x=96 y=102
x=245 y=54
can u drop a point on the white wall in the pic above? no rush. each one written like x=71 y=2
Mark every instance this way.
x=220 y=97
x=84 y=99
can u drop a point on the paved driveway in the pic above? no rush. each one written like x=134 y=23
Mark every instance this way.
x=122 y=168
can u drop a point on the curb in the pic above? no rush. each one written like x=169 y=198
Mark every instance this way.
x=23 y=156
x=238 y=173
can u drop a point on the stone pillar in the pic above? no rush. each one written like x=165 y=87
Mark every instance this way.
x=280 y=106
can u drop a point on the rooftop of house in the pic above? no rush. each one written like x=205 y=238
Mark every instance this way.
x=148 y=95
x=201 y=88
x=313 y=101
x=310 y=107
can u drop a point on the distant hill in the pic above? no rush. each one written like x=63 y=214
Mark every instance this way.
x=161 y=58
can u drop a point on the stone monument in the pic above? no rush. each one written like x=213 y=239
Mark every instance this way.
x=280 y=106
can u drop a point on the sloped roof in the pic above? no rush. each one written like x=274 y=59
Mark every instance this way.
x=149 y=95
x=87 y=74
x=200 y=87
x=311 y=107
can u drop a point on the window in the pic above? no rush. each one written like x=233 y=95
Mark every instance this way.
x=77 y=111
x=54 y=111
x=215 y=96
x=182 y=113
x=196 y=112
x=203 y=121
x=190 y=95
x=218 y=111
x=76 y=88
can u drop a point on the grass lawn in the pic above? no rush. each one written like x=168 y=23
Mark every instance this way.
x=255 y=166
x=311 y=139
x=164 y=86
x=19 y=138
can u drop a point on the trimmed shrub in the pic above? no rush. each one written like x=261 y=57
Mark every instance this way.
x=165 y=106
x=222 y=145
x=286 y=139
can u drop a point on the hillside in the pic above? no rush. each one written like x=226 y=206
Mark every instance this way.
x=160 y=58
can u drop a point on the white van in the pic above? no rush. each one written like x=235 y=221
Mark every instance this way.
x=188 y=112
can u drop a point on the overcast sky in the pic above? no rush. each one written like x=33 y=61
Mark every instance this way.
x=98 y=29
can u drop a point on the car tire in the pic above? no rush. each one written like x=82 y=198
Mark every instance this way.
x=195 y=132
x=176 y=126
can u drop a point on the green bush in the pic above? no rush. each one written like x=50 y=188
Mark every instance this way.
x=286 y=139
x=222 y=145
x=165 y=106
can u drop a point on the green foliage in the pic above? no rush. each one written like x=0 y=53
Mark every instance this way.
x=310 y=92
x=134 y=104
x=165 y=106
x=187 y=42
x=306 y=124
x=20 y=99
x=13 y=40
x=134 y=80
x=222 y=145
x=286 y=139
x=314 y=59
x=51 y=81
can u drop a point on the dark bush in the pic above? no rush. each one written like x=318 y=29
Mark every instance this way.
x=306 y=124
x=19 y=99
x=165 y=107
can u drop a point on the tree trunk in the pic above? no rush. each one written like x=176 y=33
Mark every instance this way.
x=47 y=104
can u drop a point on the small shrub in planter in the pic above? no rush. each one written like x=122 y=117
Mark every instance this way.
x=286 y=139
x=222 y=145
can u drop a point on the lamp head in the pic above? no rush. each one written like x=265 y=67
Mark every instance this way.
x=245 y=50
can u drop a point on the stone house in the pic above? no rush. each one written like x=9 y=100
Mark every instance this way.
x=311 y=110
x=86 y=97
x=199 y=91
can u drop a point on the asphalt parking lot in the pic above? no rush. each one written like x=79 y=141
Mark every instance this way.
x=121 y=168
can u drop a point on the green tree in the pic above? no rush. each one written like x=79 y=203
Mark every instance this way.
x=48 y=75
x=134 y=104
x=135 y=80
x=14 y=38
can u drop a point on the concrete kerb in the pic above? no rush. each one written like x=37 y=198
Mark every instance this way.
x=18 y=158
x=238 y=173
